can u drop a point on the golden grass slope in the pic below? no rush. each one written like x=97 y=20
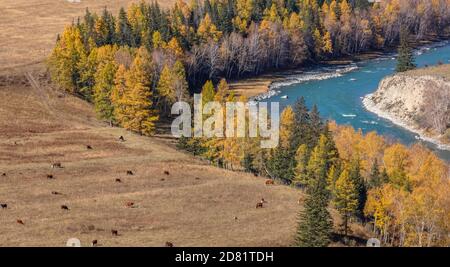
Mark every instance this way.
x=29 y=27
x=195 y=205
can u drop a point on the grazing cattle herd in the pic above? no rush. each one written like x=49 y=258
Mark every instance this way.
x=129 y=204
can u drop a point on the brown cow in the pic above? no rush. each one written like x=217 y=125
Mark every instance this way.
x=3 y=174
x=115 y=232
x=169 y=244
x=89 y=147
x=94 y=243
x=20 y=222
x=121 y=139
x=270 y=182
x=130 y=173
x=64 y=207
x=4 y=206
x=166 y=172
x=50 y=176
x=259 y=205
x=118 y=180
x=56 y=193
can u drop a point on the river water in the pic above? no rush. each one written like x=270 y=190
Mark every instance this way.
x=338 y=92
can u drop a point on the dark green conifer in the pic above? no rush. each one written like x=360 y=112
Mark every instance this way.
x=405 y=60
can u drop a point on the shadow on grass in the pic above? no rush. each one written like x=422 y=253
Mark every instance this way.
x=349 y=240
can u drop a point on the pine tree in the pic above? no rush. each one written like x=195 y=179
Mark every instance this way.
x=222 y=91
x=104 y=84
x=208 y=92
x=287 y=124
x=64 y=62
x=118 y=94
x=136 y=111
x=136 y=21
x=124 y=35
x=318 y=164
x=315 y=223
x=405 y=60
x=207 y=30
x=318 y=43
x=165 y=88
x=302 y=128
x=317 y=126
x=157 y=40
x=87 y=68
x=346 y=198
x=327 y=43
x=375 y=178
x=243 y=17
x=281 y=164
x=358 y=181
x=172 y=85
x=301 y=174
x=174 y=48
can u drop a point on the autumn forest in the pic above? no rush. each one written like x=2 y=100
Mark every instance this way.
x=135 y=65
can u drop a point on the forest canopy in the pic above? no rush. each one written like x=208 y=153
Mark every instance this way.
x=216 y=39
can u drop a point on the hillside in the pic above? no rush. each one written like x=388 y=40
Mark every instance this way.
x=195 y=205
x=418 y=100
x=30 y=27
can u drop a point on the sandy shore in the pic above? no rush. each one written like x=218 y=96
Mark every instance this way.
x=422 y=134
x=252 y=87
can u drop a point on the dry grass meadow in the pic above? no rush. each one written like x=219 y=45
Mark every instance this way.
x=195 y=205
x=29 y=27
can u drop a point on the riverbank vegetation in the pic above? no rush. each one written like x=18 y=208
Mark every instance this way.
x=133 y=67
x=405 y=60
x=400 y=193
x=190 y=44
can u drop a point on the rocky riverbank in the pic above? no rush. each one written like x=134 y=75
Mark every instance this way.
x=418 y=101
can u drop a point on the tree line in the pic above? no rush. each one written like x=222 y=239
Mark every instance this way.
x=400 y=193
x=178 y=50
x=216 y=39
